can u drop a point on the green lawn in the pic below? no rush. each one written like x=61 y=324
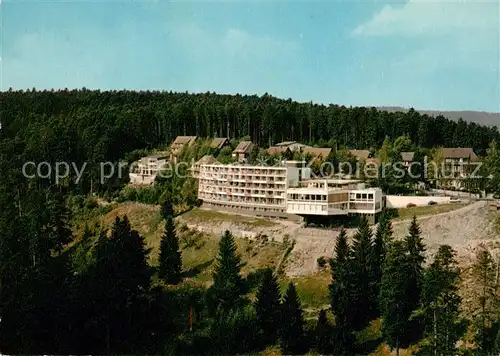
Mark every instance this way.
x=210 y=215
x=408 y=213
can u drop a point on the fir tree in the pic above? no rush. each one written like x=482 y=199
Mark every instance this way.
x=383 y=238
x=323 y=334
x=395 y=306
x=415 y=250
x=122 y=276
x=486 y=312
x=167 y=210
x=170 y=259
x=267 y=307
x=340 y=291
x=363 y=277
x=291 y=327
x=228 y=287
x=496 y=345
x=440 y=305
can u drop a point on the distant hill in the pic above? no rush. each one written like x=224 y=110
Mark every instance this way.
x=479 y=117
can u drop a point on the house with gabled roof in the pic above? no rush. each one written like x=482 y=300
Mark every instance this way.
x=317 y=152
x=178 y=144
x=360 y=154
x=280 y=151
x=242 y=151
x=292 y=145
x=219 y=142
x=458 y=163
x=407 y=158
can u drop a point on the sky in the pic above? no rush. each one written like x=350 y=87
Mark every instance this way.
x=440 y=55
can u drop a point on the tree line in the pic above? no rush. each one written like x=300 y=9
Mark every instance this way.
x=93 y=126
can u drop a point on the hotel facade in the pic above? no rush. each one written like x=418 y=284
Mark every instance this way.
x=285 y=190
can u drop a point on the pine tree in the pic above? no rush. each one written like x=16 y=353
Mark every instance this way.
x=486 y=312
x=340 y=291
x=121 y=278
x=395 y=306
x=363 y=277
x=415 y=249
x=267 y=307
x=170 y=259
x=323 y=334
x=383 y=238
x=291 y=327
x=440 y=306
x=496 y=346
x=228 y=287
x=167 y=210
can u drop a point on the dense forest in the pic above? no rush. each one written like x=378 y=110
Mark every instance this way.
x=87 y=127
x=110 y=123
x=99 y=294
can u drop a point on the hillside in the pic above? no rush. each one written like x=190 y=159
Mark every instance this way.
x=478 y=117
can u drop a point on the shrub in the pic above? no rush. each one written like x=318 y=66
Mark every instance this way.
x=321 y=262
x=411 y=205
x=431 y=203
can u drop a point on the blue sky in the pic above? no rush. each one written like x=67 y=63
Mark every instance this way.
x=429 y=55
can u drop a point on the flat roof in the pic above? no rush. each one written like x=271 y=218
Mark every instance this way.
x=315 y=190
x=334 y=181
x=242 y=166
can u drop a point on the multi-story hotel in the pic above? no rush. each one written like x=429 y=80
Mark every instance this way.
x=254 y=188
x=285 y=190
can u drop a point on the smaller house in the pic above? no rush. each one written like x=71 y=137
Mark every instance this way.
x=144 y=171
x=219 y=142
x=407 y=158
x=459 y=155
x=322 y=153
x=178 y=144
x=360 y=154
x=280 y=151
x=458 y=164
x=292 y=145
x=242 y=151
x=207 y=159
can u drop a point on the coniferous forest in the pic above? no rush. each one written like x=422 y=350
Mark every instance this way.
x=99 y=294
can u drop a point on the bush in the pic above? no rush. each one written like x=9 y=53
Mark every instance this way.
x=431 y=203
x=411 y=205
x=321 y=262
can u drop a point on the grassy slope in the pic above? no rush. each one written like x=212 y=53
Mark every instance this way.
x=407 y=213
x=199 y=256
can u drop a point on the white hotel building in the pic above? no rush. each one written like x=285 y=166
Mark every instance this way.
x=284 y=191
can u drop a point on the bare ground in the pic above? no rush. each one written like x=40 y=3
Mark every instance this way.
x=464 y=229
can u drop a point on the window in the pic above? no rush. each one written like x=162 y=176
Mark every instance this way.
x=370 y=196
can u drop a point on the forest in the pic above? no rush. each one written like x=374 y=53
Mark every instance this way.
x=99 y=294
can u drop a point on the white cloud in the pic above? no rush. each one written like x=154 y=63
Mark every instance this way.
x=439 y=35
x=444 y=17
